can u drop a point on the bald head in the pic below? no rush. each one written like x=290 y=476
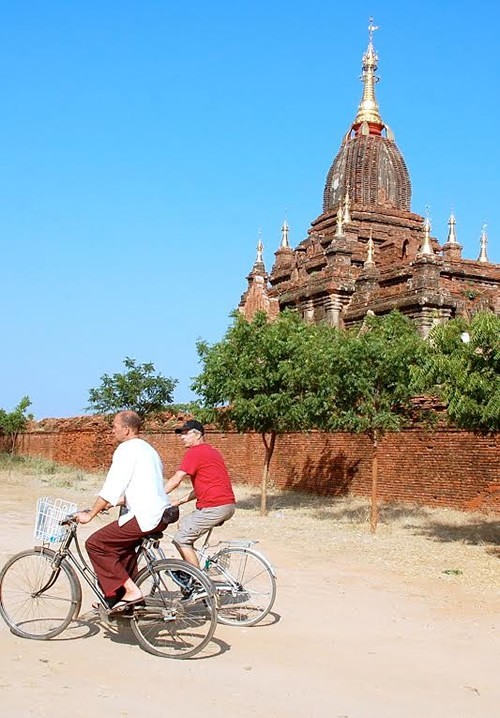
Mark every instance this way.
x=129 y=420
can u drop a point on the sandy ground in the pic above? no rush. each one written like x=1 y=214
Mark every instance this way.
x=401 y=624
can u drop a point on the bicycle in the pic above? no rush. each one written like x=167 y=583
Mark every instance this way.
x=243 y=578
x=41 y=594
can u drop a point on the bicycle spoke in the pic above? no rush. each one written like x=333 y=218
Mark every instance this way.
x=30 y=609
x=173 y=624
x=245 y=585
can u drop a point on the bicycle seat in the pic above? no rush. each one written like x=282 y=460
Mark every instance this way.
x=170 y=515
x=156 y=535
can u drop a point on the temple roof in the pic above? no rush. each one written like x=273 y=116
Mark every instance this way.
x=369 y=166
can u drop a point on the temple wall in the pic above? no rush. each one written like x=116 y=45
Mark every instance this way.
x=443 y=468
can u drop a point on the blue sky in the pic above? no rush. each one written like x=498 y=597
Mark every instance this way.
x=144 y=144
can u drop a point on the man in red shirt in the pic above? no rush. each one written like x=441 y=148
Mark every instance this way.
x=212 y=489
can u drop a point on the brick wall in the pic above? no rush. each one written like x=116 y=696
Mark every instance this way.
x=443 y=468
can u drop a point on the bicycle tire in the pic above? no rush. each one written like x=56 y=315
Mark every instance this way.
x=169 y=626
x=245 y=585
x=38 y=617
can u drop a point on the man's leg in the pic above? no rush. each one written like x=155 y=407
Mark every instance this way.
x=188 y=554
x=112 y=551
x=195 y=525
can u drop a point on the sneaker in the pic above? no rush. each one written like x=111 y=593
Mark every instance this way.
x=193 y=594
x=182 y=578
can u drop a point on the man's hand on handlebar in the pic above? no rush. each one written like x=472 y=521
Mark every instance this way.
x=83 y=517
x=100 y=504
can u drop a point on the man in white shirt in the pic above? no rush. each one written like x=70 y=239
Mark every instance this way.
x=134 y=481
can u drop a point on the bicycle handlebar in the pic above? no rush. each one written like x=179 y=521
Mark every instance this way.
x=71 y=518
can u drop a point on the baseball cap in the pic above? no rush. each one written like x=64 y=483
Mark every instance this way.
x=191 y=424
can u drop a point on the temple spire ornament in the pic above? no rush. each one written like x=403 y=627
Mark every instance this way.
x=347 y=208
x=368 y=108
x=370 y=262
x=452 y=235
x=426 y=247
x=284 y=235
x=340 y=227
x=259 y=268
x=483 y=256
x=260 y=250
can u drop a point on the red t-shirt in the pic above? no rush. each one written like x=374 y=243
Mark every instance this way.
x=211 y=482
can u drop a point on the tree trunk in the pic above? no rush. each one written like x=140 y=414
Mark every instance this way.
x=374 y=500
x=265 y=472
x=13 y=441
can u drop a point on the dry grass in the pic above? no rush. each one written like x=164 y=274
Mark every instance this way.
x=43 y=473
x=414 y=541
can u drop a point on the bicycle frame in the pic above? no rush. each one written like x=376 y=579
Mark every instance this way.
x=78 y=562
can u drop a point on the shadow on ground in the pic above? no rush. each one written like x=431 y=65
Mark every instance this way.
x=478 y=533
x=419 y=520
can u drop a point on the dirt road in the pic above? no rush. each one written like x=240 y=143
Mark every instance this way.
x=353 y=634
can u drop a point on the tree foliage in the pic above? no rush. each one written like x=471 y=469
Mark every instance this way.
x=287 y=375
x=462 y=366
x=377 y=376
x=364 y=382
x=138 y=389
x=13 y=422
x=246 y=381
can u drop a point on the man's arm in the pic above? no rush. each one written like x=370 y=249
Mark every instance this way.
x=174 y=481
x=100 y=504
x=185 y=499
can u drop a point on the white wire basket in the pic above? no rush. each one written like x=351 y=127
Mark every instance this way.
x=49 y=514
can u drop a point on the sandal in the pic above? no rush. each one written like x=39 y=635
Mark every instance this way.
x=124 y=606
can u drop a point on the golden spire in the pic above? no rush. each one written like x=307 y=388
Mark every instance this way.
x=452 y=235
x=284 y=235
x=483 y=257
x=368 y=108
x=426 y=247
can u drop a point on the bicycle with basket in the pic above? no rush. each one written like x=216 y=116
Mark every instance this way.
x=41 y=592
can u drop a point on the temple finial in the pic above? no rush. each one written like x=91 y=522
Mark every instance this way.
x=368 y=108
x=371 y=30
x=426 y=247
x=284 y=235
x=483 y=256
x=260 y=250
x=452 y=235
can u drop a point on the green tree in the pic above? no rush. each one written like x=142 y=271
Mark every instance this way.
x=462 y=366
x=138 y=389
x=370 y=389
x=13 y=422
x=247 y=379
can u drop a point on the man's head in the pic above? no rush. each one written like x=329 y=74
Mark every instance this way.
x=191 y=433
x=126 y=425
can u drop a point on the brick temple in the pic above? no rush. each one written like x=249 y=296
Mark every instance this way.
x=367 y=251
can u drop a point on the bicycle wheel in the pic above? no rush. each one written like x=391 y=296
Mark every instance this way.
x=245 y=585
x=175 y=623
x=38 y=601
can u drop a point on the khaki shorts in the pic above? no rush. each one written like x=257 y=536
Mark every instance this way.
x=200 y=522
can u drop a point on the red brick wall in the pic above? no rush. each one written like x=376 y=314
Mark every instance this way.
x=442 y=468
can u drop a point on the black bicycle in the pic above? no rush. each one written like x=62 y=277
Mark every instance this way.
x=41 y=594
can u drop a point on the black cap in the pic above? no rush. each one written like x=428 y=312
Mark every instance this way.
x=191 y=424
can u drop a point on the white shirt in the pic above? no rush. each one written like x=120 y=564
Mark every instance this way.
x=136 y=473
